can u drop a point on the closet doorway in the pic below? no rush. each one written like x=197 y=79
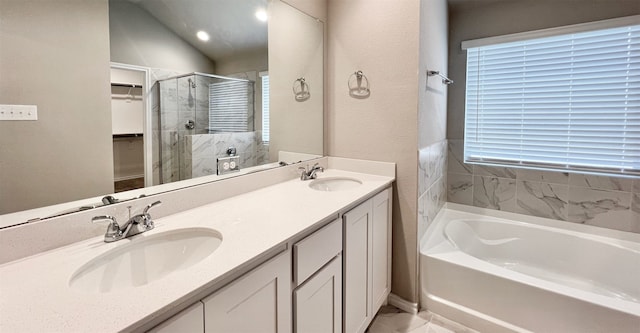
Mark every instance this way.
x=128 y=108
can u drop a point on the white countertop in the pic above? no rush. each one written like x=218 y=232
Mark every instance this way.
x=35 y=295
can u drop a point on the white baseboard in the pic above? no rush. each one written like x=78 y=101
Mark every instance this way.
x=403 y=304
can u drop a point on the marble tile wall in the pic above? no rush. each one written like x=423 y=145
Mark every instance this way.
x=609 y=202
x=156 y=76
x=204 y=149
x=432 y=181
x=179 y=101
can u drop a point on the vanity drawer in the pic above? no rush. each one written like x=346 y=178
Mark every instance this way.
x=313 y=252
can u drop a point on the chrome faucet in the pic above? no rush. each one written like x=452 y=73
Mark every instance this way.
x=109 y=200
x=135 y=225
x=311 y=173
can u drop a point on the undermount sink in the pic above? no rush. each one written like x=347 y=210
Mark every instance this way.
x=146 y=259
x=332 y=184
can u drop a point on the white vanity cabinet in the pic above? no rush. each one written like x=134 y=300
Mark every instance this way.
x=259 y=301
x=333 y=280
x=317 y=299
x=190 y=319
x=318 y=302
x=367 y=260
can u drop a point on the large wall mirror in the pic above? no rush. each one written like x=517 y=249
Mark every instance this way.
x=137 y=97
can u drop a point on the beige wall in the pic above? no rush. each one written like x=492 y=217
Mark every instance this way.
x=315 y=8
x=477 y=20
x=255 y=61
x=379 y=37
x=295 y=126
x=432 y=108
x=48 y=52
x=137 y=38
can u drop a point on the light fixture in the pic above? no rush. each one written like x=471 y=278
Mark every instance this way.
x=203 y=36
x=261 y=15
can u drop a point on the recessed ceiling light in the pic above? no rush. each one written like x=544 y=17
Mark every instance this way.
x=203 y=36
x=261 y=14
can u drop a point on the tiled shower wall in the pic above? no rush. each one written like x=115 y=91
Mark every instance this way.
x=203 y=150
x=609 y=202
x=177 y=101
x=432 y=183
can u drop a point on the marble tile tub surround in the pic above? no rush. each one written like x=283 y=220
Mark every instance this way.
x=432 y=181
x=28 y=239
x=608 y=202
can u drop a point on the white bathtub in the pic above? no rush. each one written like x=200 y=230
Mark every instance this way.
x=503 y=272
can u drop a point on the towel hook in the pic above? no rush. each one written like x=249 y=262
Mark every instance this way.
x=358 y=85
x=301 y=89
x=445 y=80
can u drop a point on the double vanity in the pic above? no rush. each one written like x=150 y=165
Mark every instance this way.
x=293 y=256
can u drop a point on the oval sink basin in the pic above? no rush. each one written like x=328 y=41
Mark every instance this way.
x=146 y=259
x=334 y=184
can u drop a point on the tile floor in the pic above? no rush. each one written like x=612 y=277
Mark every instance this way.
x=392 y=320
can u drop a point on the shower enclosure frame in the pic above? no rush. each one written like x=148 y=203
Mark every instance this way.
x=178 y=171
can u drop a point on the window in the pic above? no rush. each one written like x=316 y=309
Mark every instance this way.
x=229 y=103
x=265 y=106
x=569 y=100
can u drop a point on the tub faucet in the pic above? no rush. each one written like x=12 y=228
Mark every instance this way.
x=311 y=173
x=135 y=225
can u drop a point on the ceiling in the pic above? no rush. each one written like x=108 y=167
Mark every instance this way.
x=231 y=24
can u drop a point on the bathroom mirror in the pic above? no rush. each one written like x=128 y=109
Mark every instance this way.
x=62 y=56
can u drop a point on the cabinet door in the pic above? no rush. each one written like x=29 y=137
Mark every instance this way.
x=189 y=320
x=259 y=301
x=381 y=244
x=357 y=260
x=318 y=302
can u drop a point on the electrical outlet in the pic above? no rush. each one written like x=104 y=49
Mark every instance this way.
x=228 y=164
x=18 y=112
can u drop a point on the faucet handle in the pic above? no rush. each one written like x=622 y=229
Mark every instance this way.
x=113 y=231
x=145 y=217
x=303 y=173
x=106 y=218
x=151 y=205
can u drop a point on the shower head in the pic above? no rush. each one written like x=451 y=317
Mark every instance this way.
x=192 y=83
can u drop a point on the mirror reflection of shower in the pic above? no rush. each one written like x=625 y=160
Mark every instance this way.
x=196 y=117
x=192 y=87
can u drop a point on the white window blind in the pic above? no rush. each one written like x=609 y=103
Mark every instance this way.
x=229 y=106
x=568 y=102
x=265 y=107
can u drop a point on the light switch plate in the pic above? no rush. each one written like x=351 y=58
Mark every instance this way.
x=18 y=112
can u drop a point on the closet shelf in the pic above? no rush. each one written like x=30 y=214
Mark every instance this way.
x=127 y=135
x=128 y=85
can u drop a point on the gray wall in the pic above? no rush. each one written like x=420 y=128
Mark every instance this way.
x=609 y=202
x=49 y=51
x=137 y=38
